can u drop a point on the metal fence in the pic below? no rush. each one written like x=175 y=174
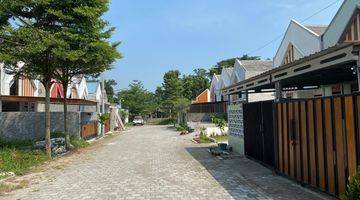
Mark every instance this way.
x=318 y=141
x=259 y=132
x=213 y=107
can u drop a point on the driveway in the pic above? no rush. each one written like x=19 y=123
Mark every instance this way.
x=154 y=162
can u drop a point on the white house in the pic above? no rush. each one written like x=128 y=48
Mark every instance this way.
x=78 y=88
x=299 y=41
x=244 y=69
x=215 y=88
x=95 y=94
x=225 y=81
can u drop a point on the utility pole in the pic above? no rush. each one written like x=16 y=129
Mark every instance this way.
x=103 y=100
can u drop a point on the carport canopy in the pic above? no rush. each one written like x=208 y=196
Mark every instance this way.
x=330 y=66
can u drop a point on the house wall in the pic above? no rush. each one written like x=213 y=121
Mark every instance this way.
x=71 y=108
x=30 y=125
x=339 y=23
x=204 y=97
x=304 y=41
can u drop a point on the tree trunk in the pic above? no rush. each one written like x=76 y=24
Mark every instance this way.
x=66 y=129
x=47 y=119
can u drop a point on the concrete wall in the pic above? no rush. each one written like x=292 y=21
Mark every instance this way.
x=71 y=108
x=199 y=117
x=30 y=125
x=237 y=143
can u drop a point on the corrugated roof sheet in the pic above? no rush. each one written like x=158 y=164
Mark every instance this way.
x=319 y=29
x=257 y=65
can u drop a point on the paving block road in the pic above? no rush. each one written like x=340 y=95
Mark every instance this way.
x=154 y=162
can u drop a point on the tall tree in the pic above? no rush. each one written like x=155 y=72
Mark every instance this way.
x=30 y=35
x=109 y=88
x=85 y=48
x=172 y=85
x=137 y=99
x=195 y=83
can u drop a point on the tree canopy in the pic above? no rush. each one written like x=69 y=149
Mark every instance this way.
x=137 y=99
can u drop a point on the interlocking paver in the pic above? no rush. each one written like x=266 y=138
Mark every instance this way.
x=154 y=162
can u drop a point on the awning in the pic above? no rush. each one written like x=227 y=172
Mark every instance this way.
x=330 y=66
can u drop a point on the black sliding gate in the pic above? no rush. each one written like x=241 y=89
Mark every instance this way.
x=259 y=132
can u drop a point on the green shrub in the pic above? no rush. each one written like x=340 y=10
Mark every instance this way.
x=166 y=121
x=204 y=138
x=21 y=144
x=57 y=135
x=78 y=143
x=353 y=188
x=219 y=121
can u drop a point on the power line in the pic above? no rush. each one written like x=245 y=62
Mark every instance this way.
x=304 y=20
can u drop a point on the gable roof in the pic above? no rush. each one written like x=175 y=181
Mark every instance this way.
x=305 y=41
x=226 y=76
x=318 y=29
x=339 y=23
x=256 y=65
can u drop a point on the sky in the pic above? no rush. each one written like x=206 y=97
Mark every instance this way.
x=161 y=35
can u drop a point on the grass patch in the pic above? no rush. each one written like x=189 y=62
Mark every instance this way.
x=79 y=143
x=20 y=161
x=129 y=125
x=220 y=138
x=204 y=139
x=19 y=144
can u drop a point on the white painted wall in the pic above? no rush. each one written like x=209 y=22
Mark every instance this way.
x=225 y=77
x=339 y=23
x=215 y=88
x=305 y=42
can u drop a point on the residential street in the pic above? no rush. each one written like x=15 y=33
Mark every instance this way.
x=154 y=162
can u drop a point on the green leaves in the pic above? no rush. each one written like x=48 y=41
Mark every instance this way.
x=138 y=100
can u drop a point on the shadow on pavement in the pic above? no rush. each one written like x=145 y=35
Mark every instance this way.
x=246 y=179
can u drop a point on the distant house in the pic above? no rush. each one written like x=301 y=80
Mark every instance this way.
x=78 y=88
x=204 y=97
x=244 y=69
x=215 y=88
x=95 y=94
x=225 y=80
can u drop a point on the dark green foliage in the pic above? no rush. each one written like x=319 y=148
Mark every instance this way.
x=219 y=121
x=137 y=99
x=103 y=118
x=55 y=39
x=21 y=144
x=353 y=190
x=109 y=88
x=195 y=84
x=172 y=85
x=166 y=121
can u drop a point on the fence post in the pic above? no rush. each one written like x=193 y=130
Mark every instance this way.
x=278 y=91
